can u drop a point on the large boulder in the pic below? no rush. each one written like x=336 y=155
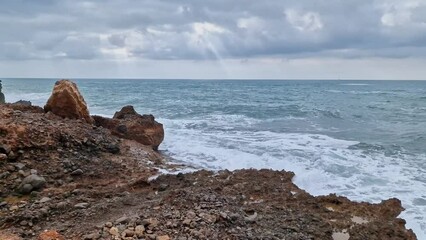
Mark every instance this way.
x=128 y=124
x=2 y=100
x=67 y=102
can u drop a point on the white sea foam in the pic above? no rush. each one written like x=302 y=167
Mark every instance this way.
x=322 y=164
x=38 y=99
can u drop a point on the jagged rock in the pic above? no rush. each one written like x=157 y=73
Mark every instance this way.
x=23 y=102
x=2 y=100
x=127 y=123
x=67 y=102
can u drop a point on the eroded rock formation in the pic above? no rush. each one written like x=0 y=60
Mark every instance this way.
x=67 y=102
x=127 y=123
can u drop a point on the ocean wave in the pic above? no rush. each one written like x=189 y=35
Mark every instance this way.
x=363 y=92
x=355 y=84
x=36 y=98
x=330 y=113
x=323 y=165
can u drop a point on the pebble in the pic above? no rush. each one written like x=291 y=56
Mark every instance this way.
x=12 y=156
x=114 y=231
x=139 y=230
x=122 y=220
x=81 y=205
x=128 y=233
x=61 y=205
x=163 y=187
x=14 y=208
x=91 y=236
x=251 y=218
x=45 y=199
x=77 y=172
x=164 y=237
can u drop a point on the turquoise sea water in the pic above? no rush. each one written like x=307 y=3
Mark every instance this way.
x=362 y=139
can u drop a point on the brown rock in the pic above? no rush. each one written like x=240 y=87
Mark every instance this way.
x=9 y=236
x=67 y=102
x=164 y=237
x=50 y=235
x=128 y=124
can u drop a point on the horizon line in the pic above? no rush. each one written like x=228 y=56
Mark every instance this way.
x=210 y=79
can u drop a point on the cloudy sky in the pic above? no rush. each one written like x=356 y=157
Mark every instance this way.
x=283 y=39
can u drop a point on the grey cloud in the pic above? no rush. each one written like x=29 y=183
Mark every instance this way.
x=117 y=40
x=194 y=29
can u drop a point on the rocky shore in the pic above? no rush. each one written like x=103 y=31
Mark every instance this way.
x=69 y=175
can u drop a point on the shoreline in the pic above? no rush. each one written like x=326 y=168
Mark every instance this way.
x=247 y=203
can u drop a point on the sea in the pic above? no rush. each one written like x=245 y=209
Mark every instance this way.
x=365 y=140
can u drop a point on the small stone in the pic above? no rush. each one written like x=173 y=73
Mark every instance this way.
x=128 y=233
x=108 y=224
x=114 y=231
x=151 y=222
x=81 y=205
x=186 y=222
x=139 y=230
x=151 y=236
x=191 y=215
x=77 y=172
x=91 y=236
x=21 y=173
x=26 y=188
x=251 y=218
x=164 y=237
x=14 y=208
x=112 y=148
x=62 y=205
x=12 y=156
x=33 y=171
x=3 y=157
x=5 y=149
x=122 y=220
x=44 y=200
x=163 y=187
x=19 y=166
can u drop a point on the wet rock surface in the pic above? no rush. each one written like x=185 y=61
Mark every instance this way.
x=98 y=186
x=127 y=123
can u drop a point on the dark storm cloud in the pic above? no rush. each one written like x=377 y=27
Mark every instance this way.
x=194 y=29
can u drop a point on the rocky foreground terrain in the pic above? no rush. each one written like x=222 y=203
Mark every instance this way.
x=65 y=176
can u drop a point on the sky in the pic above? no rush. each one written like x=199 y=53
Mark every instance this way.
x=214 y=39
